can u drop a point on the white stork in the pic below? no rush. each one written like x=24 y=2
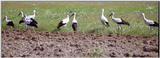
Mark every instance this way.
x=64 y=22
x=149 y=22
x=118 y=21
x=104 y=20
x=30 y=22
x=9 y=23
x=74 y=22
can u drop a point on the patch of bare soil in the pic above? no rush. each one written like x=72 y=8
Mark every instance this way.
x=56 y=44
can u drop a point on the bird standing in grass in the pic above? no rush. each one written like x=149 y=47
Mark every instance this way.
x=104 y=20
x=74 y=22
x=149 y=22
x=64 y=22
x=118 y=21
x=30 y=22
x=9 y=23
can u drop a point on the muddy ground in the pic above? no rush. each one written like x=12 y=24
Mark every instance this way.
x=56 y=44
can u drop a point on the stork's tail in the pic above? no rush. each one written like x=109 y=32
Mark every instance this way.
x=21 y=21
x=107 y=24
x=126 y=23
x=156 y=24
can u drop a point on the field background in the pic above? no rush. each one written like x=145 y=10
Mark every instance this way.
x=49 y=14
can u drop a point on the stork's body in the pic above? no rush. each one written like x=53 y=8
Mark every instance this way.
x=32 y=16
x=30 y=21
x=74 y=23
x=63 y=22
x=104 y=20
x=149 y=22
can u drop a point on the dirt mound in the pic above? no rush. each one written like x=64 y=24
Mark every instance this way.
x=55 y=44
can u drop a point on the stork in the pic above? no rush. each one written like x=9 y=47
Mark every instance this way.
x=118 y=21
x=9 y=23
x=30 y=22
x=149 y=22
x=74 y=22
x=64 y=22
x=104 y=20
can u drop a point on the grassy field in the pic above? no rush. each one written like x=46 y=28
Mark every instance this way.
x=88 y=15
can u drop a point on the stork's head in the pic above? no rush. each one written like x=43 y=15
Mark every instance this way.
x=74 y=13
x=70 y=13
x=143 y=14
x=20 y=13
x=102 y=10
x=34 y=11
x=5 y=17
x=111 y=14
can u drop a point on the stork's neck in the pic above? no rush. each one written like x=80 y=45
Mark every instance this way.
x=113 y=16
x=102 y=13
x=34 y=13
x=22 y=14
x=74 y=18
x=144 y=17
x=67 y=16
x=6 y=18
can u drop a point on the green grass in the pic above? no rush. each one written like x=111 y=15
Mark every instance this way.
x=88 y=15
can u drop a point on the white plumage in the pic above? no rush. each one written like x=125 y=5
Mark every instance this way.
x=116 y=20
x=74 y=18
x=66 y=20
x=104 y=20
x=32 y=16
x=7 y=20
x=27 y=20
